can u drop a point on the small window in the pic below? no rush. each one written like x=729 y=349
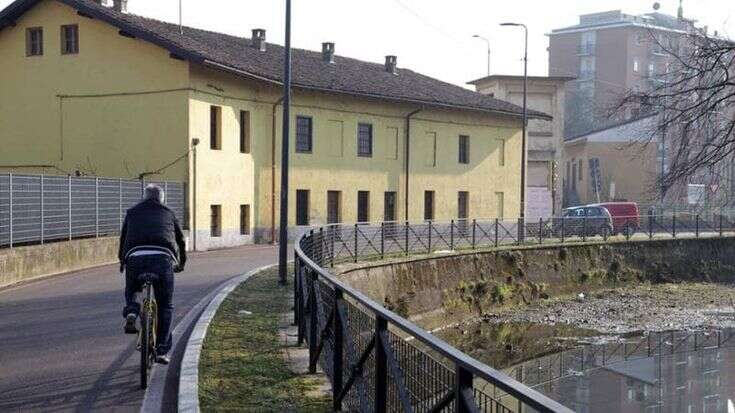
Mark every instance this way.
x=244 y=131
x=216 y=221
x=334 y=207
x=580 y=169
x=464 y=149
x=463 y=204
x=363 y=206
x=428 y=205
x=500 y=205
x=365 y=140
x=215 y=127
x=70 y=39
x=389 y=206
x=34 y=41
x=501 y=152
x=302 y=207
x=635 y=65
x=244 y=219
x=304 y=132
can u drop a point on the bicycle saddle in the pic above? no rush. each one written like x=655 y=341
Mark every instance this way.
x=148 y=277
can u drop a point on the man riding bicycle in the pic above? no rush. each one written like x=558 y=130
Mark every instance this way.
x=151 y=241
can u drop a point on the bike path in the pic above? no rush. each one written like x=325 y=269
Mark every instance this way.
x=61 y=341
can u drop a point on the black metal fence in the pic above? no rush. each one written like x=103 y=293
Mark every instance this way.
x=378 y=361
x=35 y=209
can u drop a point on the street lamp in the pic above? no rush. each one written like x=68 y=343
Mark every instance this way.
x=488 y=50
x=283 y=230
x=525 y=117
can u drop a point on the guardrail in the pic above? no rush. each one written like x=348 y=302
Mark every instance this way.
x=35 y=209
x=363 y=347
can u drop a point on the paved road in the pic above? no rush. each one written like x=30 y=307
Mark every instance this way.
x=61 y=341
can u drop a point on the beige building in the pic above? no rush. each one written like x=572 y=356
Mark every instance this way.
x=615 y=163
x=96 y=91
x=545 y=137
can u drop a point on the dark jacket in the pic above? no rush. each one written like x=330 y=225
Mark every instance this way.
x=152 y=224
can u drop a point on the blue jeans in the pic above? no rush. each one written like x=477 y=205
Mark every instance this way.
x=163 y=289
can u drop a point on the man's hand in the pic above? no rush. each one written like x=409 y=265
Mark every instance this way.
x=179 y=268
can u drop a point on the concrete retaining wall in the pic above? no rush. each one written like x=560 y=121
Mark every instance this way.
x=26 y=263
x=437 y=290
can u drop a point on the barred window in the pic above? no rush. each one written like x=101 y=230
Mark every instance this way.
x=70 y=39
x=244 y=131
x=429 y=205
x=464 y=149
x=244 y=219
x=363 y=206
x=365 y=140
x=216 y=221
x=302 y=207
x=304 y=132
x=215 y=127
x=34 y=41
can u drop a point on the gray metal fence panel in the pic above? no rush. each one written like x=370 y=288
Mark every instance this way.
x=39 y=208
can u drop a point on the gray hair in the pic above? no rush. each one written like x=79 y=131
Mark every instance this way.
x=154 y=192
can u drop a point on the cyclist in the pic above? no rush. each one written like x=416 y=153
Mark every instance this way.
x=151 y=241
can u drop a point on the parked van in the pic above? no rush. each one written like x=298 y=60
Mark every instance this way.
x=625 y=216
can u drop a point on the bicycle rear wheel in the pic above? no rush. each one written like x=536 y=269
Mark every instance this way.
x=146 y=343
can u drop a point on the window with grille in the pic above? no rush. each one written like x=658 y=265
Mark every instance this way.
x=302 y=207
x=429 y=205
x=244 y=131
x=334 y=213
x=215 y=127
x=34 y=41
x=216 y=220
x=464 y=149
x=365 y=139
x=304 y=136
x=70 y=39
x=389 y=207
x=463 y=203
x=244 y=219
x=363 y=206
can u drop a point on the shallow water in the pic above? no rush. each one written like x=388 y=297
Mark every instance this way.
x=675 y=371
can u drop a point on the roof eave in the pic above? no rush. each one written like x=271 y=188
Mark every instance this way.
x=250 y=75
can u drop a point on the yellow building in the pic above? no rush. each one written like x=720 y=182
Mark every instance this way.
x=92 y=90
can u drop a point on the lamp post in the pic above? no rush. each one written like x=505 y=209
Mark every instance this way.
x=488 y=50
x=283 y=230
x=525 y=116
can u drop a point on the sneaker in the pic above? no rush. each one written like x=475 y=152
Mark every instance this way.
x=163 y=359
x=130 y=327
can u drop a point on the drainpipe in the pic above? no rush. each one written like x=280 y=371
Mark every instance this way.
x=408 y=155
x=273 y=172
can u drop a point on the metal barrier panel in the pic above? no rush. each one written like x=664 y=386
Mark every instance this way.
x=40 y=208
x=4 y=210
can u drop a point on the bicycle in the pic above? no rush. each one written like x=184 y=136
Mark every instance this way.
x=147 y=331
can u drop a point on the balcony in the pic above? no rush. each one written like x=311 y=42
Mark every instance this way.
x=585 y=49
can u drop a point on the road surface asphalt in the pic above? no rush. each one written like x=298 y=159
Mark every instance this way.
x=61 y=342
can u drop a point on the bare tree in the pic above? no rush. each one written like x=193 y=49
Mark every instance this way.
x=693 y=95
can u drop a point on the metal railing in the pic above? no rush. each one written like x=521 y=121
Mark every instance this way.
x=35 y=209
x=379 y=361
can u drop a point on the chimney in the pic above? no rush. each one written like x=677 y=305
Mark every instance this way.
x=120 y=5
x=328 y=52
x=257 y=41
x=390 y=64
x=680 y=11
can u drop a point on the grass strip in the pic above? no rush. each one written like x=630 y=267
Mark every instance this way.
x=241 y=367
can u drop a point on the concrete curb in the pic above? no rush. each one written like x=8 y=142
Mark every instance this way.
x=188 y=398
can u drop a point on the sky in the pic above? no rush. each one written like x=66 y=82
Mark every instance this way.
x=433 y=37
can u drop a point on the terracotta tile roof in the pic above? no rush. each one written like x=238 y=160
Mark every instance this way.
x=309 y=70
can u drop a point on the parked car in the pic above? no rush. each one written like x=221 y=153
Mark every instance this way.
x=585 y=220
x=625 y=217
